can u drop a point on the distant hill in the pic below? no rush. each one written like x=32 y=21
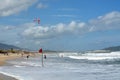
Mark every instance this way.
x=6 y=46
x=114 y=48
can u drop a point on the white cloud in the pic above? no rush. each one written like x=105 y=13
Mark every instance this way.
x=106 y=22
x=42 y=6
x=54 y=30
x=10 y=7
x=29 y=33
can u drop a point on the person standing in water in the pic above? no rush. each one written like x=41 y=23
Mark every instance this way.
x=28 y=56
x=45 y=57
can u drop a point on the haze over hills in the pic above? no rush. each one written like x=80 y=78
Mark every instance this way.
x=6 y=46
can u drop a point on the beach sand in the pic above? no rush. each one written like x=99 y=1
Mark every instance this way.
x=3 y=59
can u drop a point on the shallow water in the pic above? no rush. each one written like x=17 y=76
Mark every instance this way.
x=72 y=66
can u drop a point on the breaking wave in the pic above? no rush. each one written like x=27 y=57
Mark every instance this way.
x=97 y=56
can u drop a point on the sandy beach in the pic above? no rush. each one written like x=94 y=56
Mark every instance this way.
x=3 y=59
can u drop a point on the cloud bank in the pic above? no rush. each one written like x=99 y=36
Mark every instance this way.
x=10 y=7
x=55 y=30
x=106 y=22
x=30 y=33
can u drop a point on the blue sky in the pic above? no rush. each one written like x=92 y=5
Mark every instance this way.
x=70 y=25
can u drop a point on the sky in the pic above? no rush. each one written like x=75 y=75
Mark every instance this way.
x=68 y=25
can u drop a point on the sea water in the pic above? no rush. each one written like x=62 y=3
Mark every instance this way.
x=66 y=66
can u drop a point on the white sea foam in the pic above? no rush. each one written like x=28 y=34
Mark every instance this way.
x=18 y=66
x=56 y=68
x=30 y=64
x=98 y=56
x=65 y=54
x=90 y=58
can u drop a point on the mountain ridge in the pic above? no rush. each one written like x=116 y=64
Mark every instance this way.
x=113 y=48
x=6 y=46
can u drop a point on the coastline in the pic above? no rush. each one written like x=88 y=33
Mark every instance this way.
x=3 y=59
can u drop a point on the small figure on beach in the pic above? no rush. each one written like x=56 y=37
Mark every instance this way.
x=45 y=57
x=28 y=56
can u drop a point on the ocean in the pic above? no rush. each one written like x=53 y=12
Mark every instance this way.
x=66 y=66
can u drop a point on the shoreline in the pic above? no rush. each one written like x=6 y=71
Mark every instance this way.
x=3 y=59
x=6 y=77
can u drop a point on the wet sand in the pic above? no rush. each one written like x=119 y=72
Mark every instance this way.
x=3 y=59
x=5 y=77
